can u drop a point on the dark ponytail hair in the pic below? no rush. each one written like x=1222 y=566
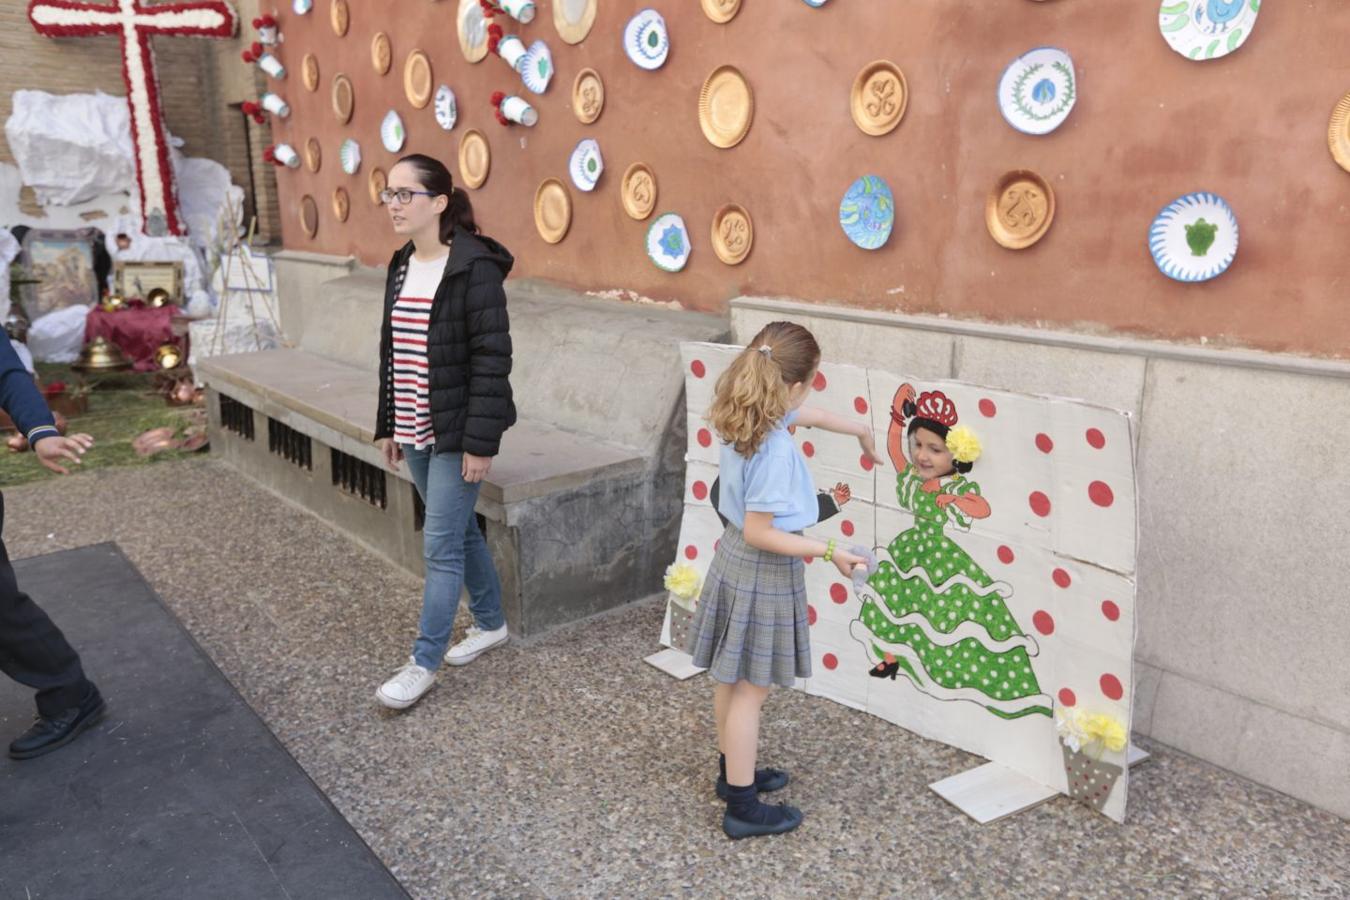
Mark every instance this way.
x=933 y=425
x=435 y=177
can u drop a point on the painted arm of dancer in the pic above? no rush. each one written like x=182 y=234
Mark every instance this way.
x=759 y=532
x=895 y=435
x=813 y=417
x=972 y=504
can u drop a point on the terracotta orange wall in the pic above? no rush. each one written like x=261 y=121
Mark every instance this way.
x=1149 y=126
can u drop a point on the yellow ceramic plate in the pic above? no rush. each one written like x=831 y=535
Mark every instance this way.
x=733 y=234
x=588 y=96
x=726 y=106
x=340 y=17
x=381 y=53
x=638 y=191
x=573 y=19
x=344 y=98
x=473 y=36
x=342 y=204
x=309 y=216
x=879 y=97
x=1019 y=209
x=376 y=182
x=721 y=11
x=417 y=79
x=1338 y=135
x=475 y=158
x=552 y=210
x=309 y=72
x=313 y=154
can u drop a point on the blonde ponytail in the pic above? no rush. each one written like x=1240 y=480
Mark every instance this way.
x=751 y=396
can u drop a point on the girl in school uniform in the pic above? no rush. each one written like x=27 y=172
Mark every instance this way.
x=750 y=630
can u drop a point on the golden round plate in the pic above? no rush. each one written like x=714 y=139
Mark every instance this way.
x=638 y=191
x=475 y=158
x=376 y=182
x=342 y=204
x=721 y=11
x=1338 y=133
x=573 y=19
x=417 y=79
x=313 y=154
x=381 y=53
x=1019 y=209
x=733 y=234
x=879 y=97
x=472 y=28
x=344 y=98
x=588 y=96
x=552 y=210
x=309 y=72
x=340 y=17
x=726 y=106
x=309 y=216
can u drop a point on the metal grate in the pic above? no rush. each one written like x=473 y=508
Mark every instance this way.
x=236 y=417
x=358 y=478
x=290 y=444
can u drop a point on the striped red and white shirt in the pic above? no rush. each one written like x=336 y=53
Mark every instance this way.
x=409 y=319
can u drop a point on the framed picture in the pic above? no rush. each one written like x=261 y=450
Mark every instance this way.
x=138 y=279
x=63 y=261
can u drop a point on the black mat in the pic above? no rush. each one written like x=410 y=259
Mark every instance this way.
x=181 y=792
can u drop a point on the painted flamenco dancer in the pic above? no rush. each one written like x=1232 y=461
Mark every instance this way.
x=929 y=612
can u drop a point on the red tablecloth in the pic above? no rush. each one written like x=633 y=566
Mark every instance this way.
x=138 y=331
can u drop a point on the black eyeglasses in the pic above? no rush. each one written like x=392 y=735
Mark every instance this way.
x=404 y=195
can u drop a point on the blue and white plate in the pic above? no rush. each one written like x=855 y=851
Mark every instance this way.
x=586 y=165
x=867 y=212
x=536 y=67
x=350 y=155
x=300 y=7
x=447 y=110
x=816 y=3
x=668 y=242
x=1038 y=90
x=646 y=40
x=1194 y=238
x=392 y=133
x=1207 y=29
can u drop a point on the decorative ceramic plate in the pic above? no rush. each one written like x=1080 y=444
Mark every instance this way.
x=721 y=11
x=726 y=107
x=573 y=19
x=473 y=30
x=646 y=40
x=339 y=17
x=1019 y=209
x=878 y=98
x=344 y=98
x=733 y=234
x=392 y=134
x=309 y=216
x=342 y=204
x=668 y=242
x=417 y=79
x=300 y=7
x=1194 y=238
x=586 y=165
x=1207 y=29
x=536 y=67
x=1338 y=133
x=447 y=111
x=475 y=158
x=1038 y=90
x=552 y=210
x=816 y=3
x=638 y=191
x=381 y=53
x=376 y=182
x=313 y=154
x=309 y=72
x=350 y=155
x=867 y=212
x=588 y=96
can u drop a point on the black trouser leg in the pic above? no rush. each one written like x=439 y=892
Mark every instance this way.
x=33 y=651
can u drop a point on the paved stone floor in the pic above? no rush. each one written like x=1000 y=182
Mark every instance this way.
x=568 y=767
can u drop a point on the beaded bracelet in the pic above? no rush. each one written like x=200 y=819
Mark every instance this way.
x=829 y=550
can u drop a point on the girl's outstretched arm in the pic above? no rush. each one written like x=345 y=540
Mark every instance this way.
x=814 y=417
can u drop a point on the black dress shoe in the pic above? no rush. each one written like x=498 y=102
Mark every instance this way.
x=48 y=734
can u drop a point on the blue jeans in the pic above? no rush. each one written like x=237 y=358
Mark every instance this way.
x=455 y=552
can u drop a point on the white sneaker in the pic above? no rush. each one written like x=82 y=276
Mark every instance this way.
x=476 y=642
x=406 y=687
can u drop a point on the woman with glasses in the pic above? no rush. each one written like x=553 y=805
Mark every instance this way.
x=445 y=399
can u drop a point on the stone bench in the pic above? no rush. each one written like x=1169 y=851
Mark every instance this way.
x=582 y=506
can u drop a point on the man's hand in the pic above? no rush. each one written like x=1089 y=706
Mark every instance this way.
x=51 y=450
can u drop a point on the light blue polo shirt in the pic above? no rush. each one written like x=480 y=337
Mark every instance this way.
x=775 y=480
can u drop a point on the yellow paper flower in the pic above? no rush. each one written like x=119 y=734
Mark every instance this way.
x=963 y=444
x=1109 y=731
x=682 y=580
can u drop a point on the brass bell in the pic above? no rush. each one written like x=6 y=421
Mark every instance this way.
x=157 y=297
x=100 y=356
x=114 y=302
x=168 y=356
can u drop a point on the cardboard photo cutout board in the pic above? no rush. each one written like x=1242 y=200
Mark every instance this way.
x=1001 y=617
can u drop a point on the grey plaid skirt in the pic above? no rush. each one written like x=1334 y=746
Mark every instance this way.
x=750 y=624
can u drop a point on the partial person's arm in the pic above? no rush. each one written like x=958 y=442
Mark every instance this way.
x=489 y=332
x=814 y=417
x=20 y=398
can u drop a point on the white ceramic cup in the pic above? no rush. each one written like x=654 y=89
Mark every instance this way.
x=520 y=112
